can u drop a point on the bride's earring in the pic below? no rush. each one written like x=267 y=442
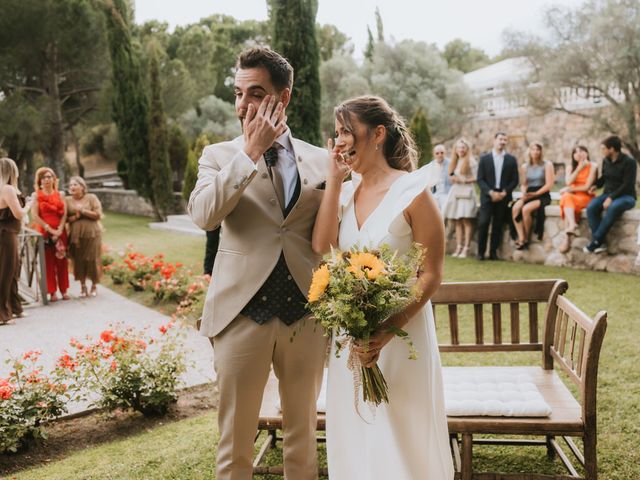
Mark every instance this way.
x=377 y=146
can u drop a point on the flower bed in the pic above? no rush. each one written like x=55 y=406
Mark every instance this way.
x=167 y=282
x=124 y=369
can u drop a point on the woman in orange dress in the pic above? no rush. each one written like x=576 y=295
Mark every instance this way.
x=581 y=173
x=50 y=216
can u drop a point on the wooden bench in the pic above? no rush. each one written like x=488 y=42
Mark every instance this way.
x=570 y=341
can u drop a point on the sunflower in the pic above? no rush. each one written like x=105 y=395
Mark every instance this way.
x=366 y=264
x=319 y=283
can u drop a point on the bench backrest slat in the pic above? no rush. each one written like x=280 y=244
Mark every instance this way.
x=453 y=324
x=515 y=322
x=533 y=322
x=522 y=297
x=479 y=323
x=497 y=323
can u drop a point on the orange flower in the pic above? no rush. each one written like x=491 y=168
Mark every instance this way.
x=319 y=283
x=366 y=264
x=6 y=390
x=107 y=336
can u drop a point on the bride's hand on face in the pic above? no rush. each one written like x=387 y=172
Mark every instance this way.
x=338 y=168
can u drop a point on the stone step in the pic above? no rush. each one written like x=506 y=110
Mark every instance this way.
x=178 y=224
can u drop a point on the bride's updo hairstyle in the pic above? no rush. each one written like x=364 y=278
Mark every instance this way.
x=399 y=148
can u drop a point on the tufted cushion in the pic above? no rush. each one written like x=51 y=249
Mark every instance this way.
x=487 y=394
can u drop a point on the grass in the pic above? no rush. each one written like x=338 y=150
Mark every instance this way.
x=185 y=450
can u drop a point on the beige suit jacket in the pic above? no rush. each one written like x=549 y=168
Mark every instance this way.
x=229 y=191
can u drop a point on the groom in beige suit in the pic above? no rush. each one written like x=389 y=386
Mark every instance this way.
x=262 y=188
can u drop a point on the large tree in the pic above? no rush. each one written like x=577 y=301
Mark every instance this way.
x=130 y=102
x=462 y=56
x=591 y=52
x=410 y=75
x=52 y=58
x=159 y=169
x=295 y=38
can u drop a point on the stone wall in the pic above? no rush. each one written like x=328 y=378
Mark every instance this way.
x=558 y=133
x=622 y=244
x=128 y=201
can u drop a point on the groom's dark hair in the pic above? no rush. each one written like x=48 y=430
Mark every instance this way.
x=280 y=70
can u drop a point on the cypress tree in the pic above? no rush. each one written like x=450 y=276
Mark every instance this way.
x=191 y=173
x=368 y=52
x=294 y=38
x=419 y=127
x=160 y=171
x=178 y=155
x=130 y=102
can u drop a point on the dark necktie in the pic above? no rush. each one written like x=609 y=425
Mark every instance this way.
x=271 y=158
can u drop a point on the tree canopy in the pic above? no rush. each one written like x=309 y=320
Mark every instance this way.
x=591 y=52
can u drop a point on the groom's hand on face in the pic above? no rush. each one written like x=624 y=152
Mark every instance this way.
x=262 y=126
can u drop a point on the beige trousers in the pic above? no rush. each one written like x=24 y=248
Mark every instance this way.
x=243 y=354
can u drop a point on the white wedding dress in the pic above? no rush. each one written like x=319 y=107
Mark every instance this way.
x=406 y=439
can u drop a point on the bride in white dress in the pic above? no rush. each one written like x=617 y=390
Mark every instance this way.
x=386 y=202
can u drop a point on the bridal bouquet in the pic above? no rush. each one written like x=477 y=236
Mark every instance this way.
x=352 y=293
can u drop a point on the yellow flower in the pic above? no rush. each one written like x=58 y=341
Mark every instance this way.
x=366 y=263
x=319 y=283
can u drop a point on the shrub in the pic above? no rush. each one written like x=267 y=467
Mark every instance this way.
x=130 y=370
x=28 y=398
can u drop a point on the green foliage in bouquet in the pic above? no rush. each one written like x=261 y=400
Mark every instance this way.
x=352 y=293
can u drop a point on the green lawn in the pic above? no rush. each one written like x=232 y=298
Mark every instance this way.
x=185 y=450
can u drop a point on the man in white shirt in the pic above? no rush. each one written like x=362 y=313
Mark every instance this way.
x=441 y=189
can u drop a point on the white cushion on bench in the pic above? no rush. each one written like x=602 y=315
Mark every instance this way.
x=488 y=394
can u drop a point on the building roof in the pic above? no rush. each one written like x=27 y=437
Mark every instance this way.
x=497 y=74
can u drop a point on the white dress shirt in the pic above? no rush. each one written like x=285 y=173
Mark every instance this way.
x=286 y=164
x=498 y=160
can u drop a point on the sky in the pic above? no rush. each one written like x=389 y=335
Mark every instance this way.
x=480 y=23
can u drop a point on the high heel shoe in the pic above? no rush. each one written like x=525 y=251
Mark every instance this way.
x=94 y=291
x=83 y=292
x=463 y=253
x=457 y=252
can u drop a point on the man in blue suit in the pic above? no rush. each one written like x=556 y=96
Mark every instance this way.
x=497 y=177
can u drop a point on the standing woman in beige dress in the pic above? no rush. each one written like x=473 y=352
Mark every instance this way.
x=85 y=235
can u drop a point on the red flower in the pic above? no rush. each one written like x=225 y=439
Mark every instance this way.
x=32 y=355
x=66 y=361
x=107 y=336
x=6 y=391
x=163 y=329
x=114 y=366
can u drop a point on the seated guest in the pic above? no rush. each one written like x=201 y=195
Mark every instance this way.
x=581 y=173
x=462 y=207
x=441 y=189
x=536 y=180
x=84 y=212
x=619 y=180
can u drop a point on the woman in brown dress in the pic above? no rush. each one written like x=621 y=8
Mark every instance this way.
x=85 y=234
x=11 y=215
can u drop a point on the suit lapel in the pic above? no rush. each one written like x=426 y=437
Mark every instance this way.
x=263 y=189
